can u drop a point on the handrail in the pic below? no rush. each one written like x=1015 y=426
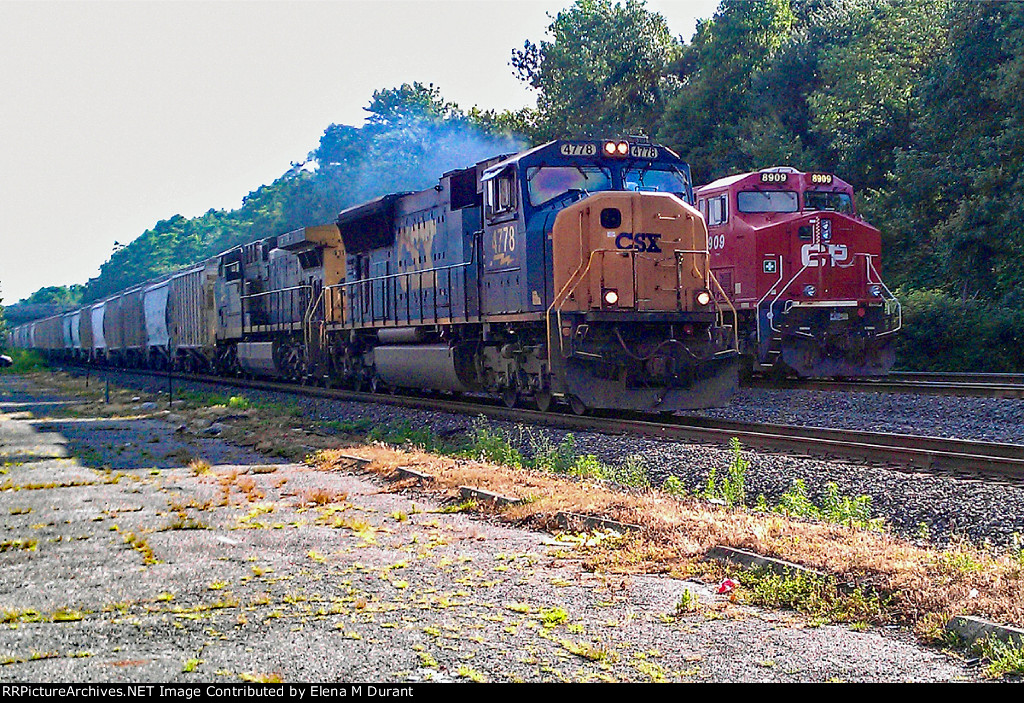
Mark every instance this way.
x=757 y=308
x=721 y=315
x=276 y=291
x=473 y=259
x=581 y=271
x=891 y=298
x=771 y=306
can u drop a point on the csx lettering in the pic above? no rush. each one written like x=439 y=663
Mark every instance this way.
x=641 y=241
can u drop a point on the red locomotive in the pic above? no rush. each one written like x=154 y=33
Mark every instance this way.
x=802 y=271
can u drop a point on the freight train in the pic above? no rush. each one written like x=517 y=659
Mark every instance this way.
x=577 y=271
x=802 y=271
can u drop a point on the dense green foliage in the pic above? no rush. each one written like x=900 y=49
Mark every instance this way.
x=945 y=333
x=918 y=103
x=25 y=361
x=56 y=295
x=604 y=72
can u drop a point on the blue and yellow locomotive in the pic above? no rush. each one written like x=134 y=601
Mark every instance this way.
x=576 y=271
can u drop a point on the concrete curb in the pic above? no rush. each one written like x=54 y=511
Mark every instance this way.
x=404 y=472
x=468 y=492
x=751 y=560
x=571 y=520
x=972 y=629
x=357 y=460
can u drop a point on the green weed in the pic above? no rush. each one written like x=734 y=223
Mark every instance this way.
x=239 y=402
x=837 y=508
x=817 y=596
x=730 y=489
x=1001 y=658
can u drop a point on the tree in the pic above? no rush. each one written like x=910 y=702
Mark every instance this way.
x=56 y=295
x=870 y=63
x=952 y=206
x=715 y=120
x=603 y=73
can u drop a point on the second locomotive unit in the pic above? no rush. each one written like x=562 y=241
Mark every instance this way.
x=803 y=272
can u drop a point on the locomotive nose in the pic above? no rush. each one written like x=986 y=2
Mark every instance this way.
x=630 y=251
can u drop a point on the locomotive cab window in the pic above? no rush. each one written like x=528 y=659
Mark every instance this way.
x=545 y=183
x=717 y=211
x=311 y=258
x=755 y=201
x=654 y=180
x=232 y=271
x=501 y=194
x=836 y=202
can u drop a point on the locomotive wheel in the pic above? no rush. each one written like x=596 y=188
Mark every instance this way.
x=577 y=406
x=510 y=396
x=542 y=400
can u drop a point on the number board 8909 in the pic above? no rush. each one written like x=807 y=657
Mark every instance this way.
x=773 y=177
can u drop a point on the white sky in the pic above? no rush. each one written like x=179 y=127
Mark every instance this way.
x=115 y=115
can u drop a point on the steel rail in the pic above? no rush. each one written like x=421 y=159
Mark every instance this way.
x=981 y=386
x=898 y=451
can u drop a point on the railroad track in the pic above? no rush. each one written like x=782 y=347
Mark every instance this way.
x=976 y=385
x=905 y=452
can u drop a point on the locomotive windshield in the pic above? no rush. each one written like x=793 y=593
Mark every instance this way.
x=548 y=182
x=753 y=201
x=654 y=179
x=838 y=202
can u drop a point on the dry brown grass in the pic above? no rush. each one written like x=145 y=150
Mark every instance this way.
x=925 y=584
x=200 y=467
x=322 y=496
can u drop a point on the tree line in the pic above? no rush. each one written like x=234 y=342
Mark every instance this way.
x=917 y=103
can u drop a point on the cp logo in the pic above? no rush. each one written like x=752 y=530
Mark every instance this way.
x=813 y=254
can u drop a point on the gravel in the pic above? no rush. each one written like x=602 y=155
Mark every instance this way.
x=267 y=587
x=929 y=508
x=985 y=419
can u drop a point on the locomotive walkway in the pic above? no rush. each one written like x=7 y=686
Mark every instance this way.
x=123 y=563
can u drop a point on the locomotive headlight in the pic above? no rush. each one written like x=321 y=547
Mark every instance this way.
x=810 y=291
x=611 y=297
x=616 y=149
x=876 y=291
x=703 y=297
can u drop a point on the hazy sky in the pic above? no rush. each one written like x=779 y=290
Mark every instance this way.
x=115 y=115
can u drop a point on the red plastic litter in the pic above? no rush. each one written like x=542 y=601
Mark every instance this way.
x=727 y=586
